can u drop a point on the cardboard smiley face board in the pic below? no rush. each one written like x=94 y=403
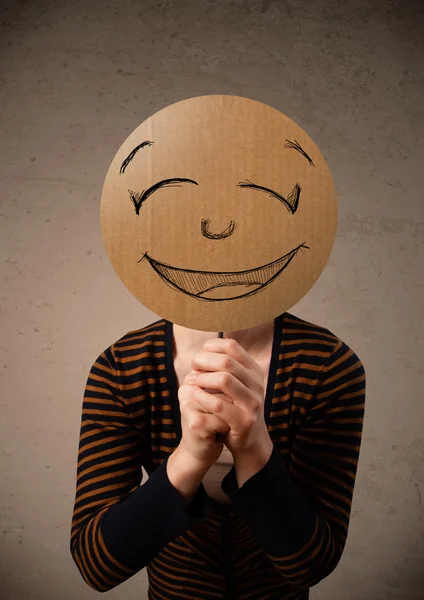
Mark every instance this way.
x=218 y=213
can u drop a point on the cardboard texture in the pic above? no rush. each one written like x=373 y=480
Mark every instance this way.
x=218 y=213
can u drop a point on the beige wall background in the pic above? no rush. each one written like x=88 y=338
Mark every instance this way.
x=76 y=79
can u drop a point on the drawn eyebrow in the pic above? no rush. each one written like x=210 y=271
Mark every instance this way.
x=291 y=202
x=139 y=197
x=296 y=146
x=132 y=154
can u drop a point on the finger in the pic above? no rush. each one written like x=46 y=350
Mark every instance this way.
x=217 y=361
x=216 y=405
x=211 y=423
x=185 y=396
x=212 y=389
x=223 y=382
x=232 y=348
x=191 y=409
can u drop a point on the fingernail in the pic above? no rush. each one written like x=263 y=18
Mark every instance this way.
x=191 y=377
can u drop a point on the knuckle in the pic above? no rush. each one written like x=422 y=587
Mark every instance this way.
x=231 y=344
x=226 y=362
x=224 y=380
x=197 y=422
x=184 y=403
x=258 y=405
x=183 y=392
x=219 y=405
x=249 y=421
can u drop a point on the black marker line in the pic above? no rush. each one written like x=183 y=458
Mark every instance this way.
x=131 y=156
x=216 y=236
x=139 y=197
x=188 y=281
x=291 y=202
x=296 y=146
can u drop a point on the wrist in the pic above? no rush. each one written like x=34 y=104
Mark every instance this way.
x=259 y=452
x=189 y=463
x=185 y=474
x=248 y=463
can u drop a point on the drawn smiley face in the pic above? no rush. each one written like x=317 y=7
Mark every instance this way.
x=218 y=213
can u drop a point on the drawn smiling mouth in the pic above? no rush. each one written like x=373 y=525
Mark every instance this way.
x=217 y=285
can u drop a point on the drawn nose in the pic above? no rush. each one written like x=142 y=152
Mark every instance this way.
x=216 y=236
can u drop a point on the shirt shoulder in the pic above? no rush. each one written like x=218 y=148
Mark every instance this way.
x=138 y=347
x=315 y=343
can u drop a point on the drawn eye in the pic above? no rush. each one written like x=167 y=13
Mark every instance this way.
x=291 y=202
x=139 y=197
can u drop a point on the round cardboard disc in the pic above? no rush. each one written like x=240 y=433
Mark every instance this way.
x=218 y=213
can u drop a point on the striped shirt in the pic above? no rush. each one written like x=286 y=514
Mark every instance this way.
x=282 y=532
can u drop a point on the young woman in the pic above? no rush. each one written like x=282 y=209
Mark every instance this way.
x=260 y=511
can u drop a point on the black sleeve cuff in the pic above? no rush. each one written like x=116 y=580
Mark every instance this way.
x=273 y=505
x=137 y=528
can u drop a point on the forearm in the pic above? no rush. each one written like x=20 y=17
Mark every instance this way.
x=128 y=534
x=287 y=528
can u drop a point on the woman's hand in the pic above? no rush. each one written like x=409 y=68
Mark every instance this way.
x=227 y=369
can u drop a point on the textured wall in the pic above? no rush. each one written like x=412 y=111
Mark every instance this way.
x=76 y=79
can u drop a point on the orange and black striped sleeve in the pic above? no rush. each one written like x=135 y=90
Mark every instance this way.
x=300 y=512
x=118 y=525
